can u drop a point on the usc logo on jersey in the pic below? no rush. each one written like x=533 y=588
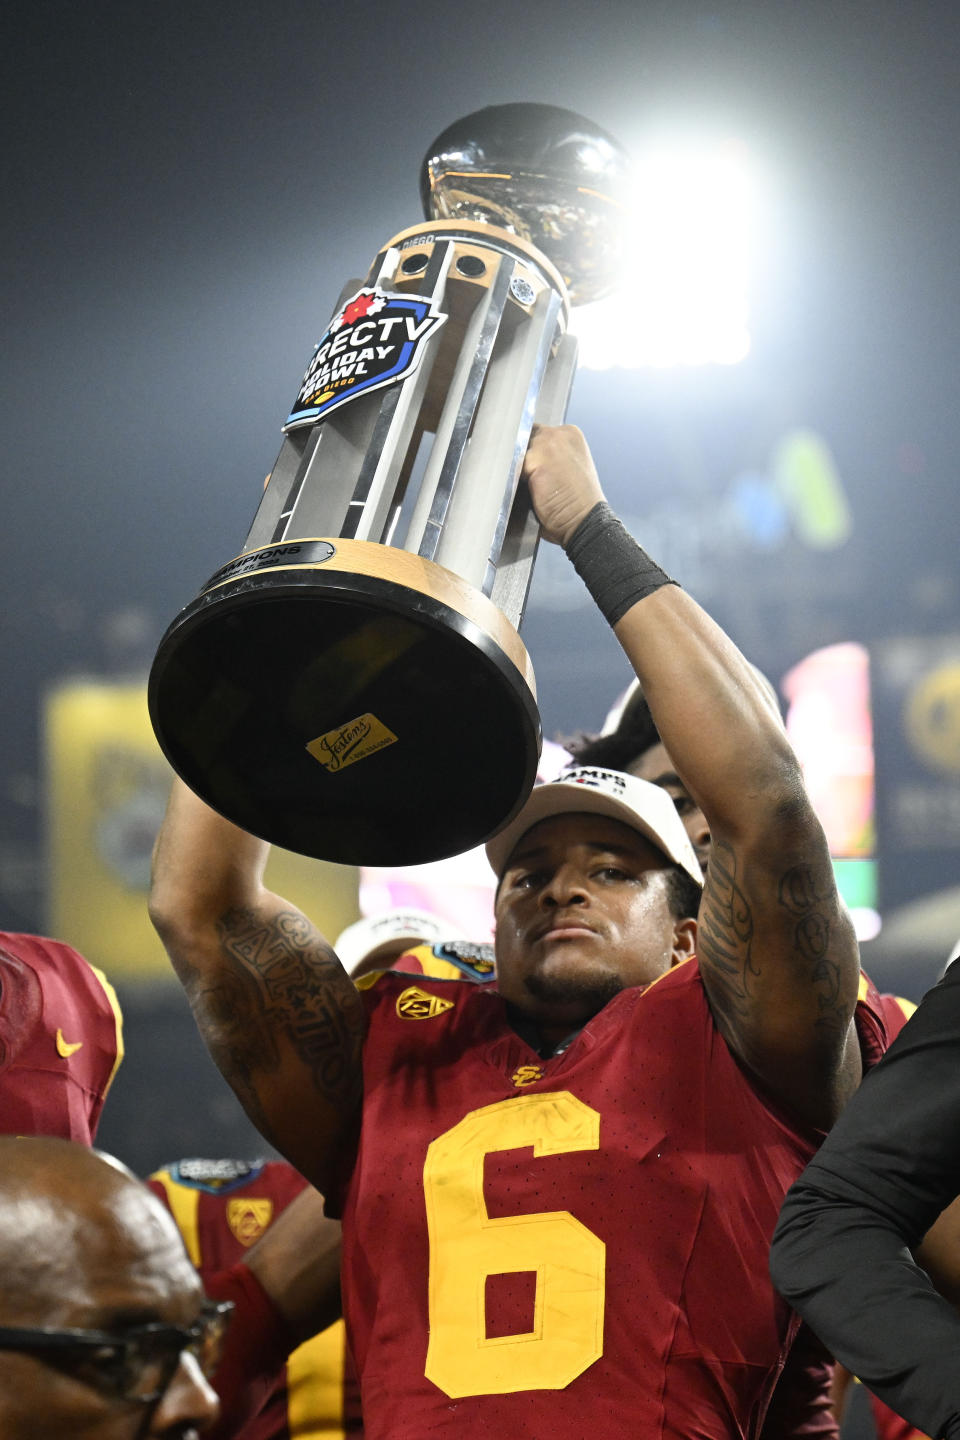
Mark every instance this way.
x=527 y=1075
x=249 y=1218
x=415 y=1004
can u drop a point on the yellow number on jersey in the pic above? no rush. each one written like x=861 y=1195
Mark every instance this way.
x=466 y=1246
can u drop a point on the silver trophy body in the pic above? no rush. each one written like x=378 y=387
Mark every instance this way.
x=352 y=685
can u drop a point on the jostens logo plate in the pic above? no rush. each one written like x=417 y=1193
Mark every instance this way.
x=377 y=339
x=360 y=737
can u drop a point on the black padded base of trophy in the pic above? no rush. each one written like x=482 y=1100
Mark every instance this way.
x=254 y=671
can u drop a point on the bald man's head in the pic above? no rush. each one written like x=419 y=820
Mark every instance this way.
x=69 y=1218
x=83 y=1245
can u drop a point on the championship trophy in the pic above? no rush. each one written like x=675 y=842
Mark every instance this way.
x=352 y=685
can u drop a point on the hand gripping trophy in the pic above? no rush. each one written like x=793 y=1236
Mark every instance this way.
x=352 y=686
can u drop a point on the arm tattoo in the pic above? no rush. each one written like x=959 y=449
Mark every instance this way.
x=283 y=985
x=725 y=935
x=233 y=1022
x=726 y=938
x=806 y=900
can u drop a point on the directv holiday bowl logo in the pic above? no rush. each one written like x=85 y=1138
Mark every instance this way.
x=377 y=339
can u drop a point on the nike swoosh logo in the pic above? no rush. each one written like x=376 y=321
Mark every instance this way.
x=65 y=1048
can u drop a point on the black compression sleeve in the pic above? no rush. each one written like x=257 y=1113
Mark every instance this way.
x=611 y=564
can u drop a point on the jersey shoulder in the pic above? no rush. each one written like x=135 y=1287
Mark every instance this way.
x=223 y=1206
x=61 y=1036
x=879 y=1018
x=58 y=975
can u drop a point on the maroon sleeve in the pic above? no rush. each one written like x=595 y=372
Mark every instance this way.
x=257 y=1345
x=334 y=1195
x=802 y=1404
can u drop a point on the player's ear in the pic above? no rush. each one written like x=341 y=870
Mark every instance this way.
x=684 y=940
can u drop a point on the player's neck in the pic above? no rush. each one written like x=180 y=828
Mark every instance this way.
x=546 y=1040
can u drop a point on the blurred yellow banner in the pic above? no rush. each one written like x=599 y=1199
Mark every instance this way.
x=106 y=790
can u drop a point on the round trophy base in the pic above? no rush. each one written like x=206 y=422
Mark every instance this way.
x=348 y=701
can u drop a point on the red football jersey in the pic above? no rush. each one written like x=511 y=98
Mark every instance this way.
x=61 y=1039
x=221 y=1208
x=568 y=1247
x=896 y=1011
x=801 y=1407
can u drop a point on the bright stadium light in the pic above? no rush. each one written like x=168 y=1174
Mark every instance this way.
x=684 y=298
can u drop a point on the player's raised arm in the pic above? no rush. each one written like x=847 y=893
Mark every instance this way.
x=277 y=1011
x=776 y=947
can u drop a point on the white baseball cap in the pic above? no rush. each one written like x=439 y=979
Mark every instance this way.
x=391 y=931
x=954 y=955
x=617 y=710
x=590 y=790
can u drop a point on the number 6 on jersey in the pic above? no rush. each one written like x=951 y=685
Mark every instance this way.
x=466 y=1246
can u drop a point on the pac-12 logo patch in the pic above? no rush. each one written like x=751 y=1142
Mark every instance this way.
x=377 y=339
x=249 y=1218
x=415 y=1004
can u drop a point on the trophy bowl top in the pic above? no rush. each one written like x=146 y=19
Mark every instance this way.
x=543 y=173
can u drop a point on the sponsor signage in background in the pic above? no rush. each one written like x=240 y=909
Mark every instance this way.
x=916 y=703
x=829 y=723
x=106 y=792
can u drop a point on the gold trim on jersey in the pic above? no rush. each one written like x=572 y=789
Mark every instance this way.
x=664 y=973
x=436 y=969
x=367 y=982
x=184 y=1204
x=114 y=1004
x=315 y=1386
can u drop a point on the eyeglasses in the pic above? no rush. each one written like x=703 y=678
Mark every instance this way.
x=137 y=1364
